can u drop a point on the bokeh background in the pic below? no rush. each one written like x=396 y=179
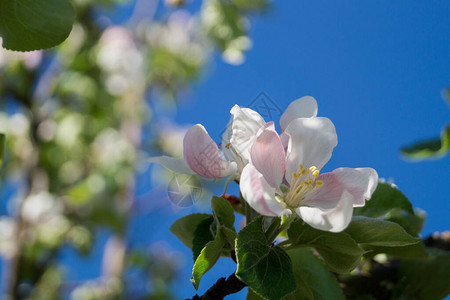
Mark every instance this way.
x=133 y=77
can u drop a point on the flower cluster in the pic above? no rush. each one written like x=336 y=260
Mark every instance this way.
x=279 y=174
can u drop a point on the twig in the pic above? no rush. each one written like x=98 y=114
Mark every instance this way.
x=222 y=288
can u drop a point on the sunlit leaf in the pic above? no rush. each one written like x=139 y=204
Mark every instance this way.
x=27 y=25
x=224 y=214
x=432 y=148
x=185 y=227
x=266 y=270
x=207 y=247
x=207 y=258
x=223 y=211
x=378 y=232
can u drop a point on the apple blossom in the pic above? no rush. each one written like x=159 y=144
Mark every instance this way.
x=283 y=176
x=203 y=156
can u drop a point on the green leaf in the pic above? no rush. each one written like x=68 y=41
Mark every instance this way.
x=314 y=280
x=432 y=148
x=414 y=251
x=224 y=215
x=230 y=235
x=207 y=248
x=207 y=258
x=27 y=25
x=251 y=295
x=411 y=223
x=446 y=95
x=250 y=5
x=202 y=235
x=223 y=211
x=426 y=278
x=2 y=148
x=378 y=232
x=339 y=250
x=185 y=227
x=265 y=269
x=385 y=198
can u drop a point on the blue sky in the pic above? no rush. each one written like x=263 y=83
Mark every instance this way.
x=376 y=69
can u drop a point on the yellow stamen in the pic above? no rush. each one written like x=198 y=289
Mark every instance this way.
x=303 y=183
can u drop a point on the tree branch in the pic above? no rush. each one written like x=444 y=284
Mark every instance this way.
x=222 y=288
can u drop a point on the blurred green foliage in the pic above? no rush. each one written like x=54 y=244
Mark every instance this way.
x=433 y=148
x=2 y=148
x=427 y=149
x=73 y=117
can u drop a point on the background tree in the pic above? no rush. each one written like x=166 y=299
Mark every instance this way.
x=73 y=117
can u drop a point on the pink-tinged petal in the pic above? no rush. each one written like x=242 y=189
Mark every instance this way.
x=311 y=142
x=259 y=194
x=177 y=165
x=284 y=140
x=203 y=156
x=268 y=157
x=359 y=182
x=245 y=124
x=334 y=220
x=305 y=107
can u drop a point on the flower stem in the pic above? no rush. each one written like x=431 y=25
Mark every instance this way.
x=272 y=229
x=248 y=210
x=286 y=221
x=230 y=179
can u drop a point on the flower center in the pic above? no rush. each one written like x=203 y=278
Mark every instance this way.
x=233 y=155
x=302 y=184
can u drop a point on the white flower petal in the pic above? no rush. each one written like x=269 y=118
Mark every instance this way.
x=245 y=124
x=259 y=194
x=334 y=220
x=305 y=107
x=311 y=142
x=177 y=165
x=359 y=182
